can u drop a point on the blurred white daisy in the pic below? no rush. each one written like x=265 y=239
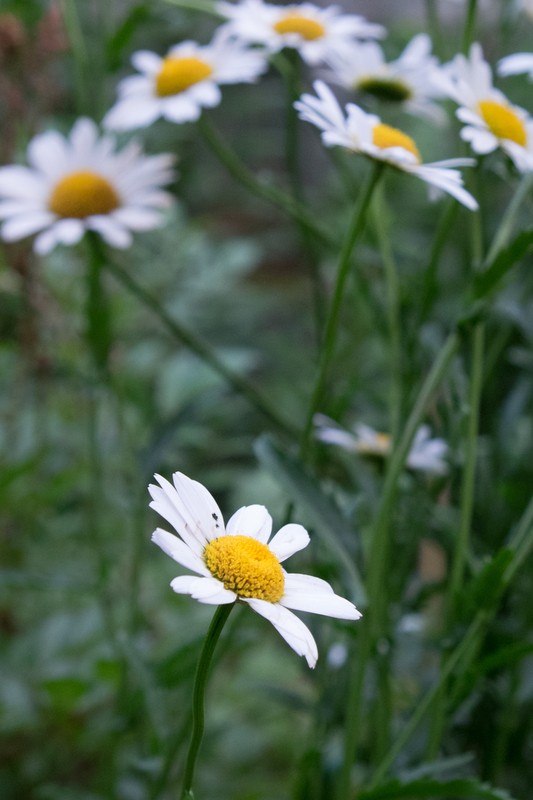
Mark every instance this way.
x=516 y=64
x=241 y=562
x=186 y=80
x=491 y=121
x=426 y=454
x=315 y=32
x=79 y=183
x=407 y=80
x=355 y=130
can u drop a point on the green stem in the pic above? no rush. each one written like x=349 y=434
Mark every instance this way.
x=332 y=322
x=469 y=471
x=375 y=626
x=434 y=25
x=393 y=313
x=470 y=24
x=289 y=205
x=201 y=349
x=205 y=6
x=521 y=542
x=505 y=227
x=472 y=634
x=202 y=671
x=79 y=53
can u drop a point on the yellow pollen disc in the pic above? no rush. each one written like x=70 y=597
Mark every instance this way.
x=385 y=136
x=82 y=194
x=307 y=28
x=503 y=121
x=380 y=446
x=178 y=74
x=246 y=567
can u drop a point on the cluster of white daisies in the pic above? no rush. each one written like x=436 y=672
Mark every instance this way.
x=83 y=182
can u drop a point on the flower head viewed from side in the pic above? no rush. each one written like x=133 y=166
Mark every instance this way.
x=490 y=120
x=406 y=81
x=241 y=562
x=186 y=80
x=82 y=183
x=315 y=32
x=359 y=132
x=427 y=454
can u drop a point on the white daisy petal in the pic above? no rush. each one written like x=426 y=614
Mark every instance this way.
x=24 y=225
x=147 y=62
x=69 y=231
x=289 y=540
x=205 y=590
x=293 y=630
x=330 y=605
x=21 y=183
x=111 y=230
x=179 y=551
x=254 y=521
x=200 y=505
x=130 y=113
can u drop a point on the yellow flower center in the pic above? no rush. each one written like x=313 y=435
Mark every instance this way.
x=178 y=74
x=503 y=121
x=82 y=194
x=381 y=445
x=246 y=567
x=308 y=29
x=385 y=136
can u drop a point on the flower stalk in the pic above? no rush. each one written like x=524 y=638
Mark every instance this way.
x=198 y=698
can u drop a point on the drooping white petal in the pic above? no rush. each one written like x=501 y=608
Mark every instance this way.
x=293 y=630
x=288 y=540
x=205 y=590
x=69 y=231
x=178 y=550
x=254 y=521
x=319 y=602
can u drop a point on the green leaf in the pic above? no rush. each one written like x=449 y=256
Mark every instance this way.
x=305 y=490
x=487 y=281
x=117 y=43
x=484 y=590
x=469 y=788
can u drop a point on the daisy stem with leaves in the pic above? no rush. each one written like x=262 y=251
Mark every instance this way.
x=374 y=627
x=355 y=230
x=198 y=698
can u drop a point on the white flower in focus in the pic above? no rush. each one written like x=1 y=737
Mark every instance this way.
x=241 y=562
x=490 y=119
x=186 y=80
x=426 y=454
x=407 y=80
x=364 y=133
x=516 y=64
x=315 y=32
x=80 y=183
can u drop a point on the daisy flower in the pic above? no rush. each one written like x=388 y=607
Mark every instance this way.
x=364 y=133
x=186 y=80
x=408 y=80
x=490 y=119
x=79 y=183
x=240 y=562
x=516 y=64
x=426 y=454
x=315 y=32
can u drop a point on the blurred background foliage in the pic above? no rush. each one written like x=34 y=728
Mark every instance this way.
x=98 y=654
